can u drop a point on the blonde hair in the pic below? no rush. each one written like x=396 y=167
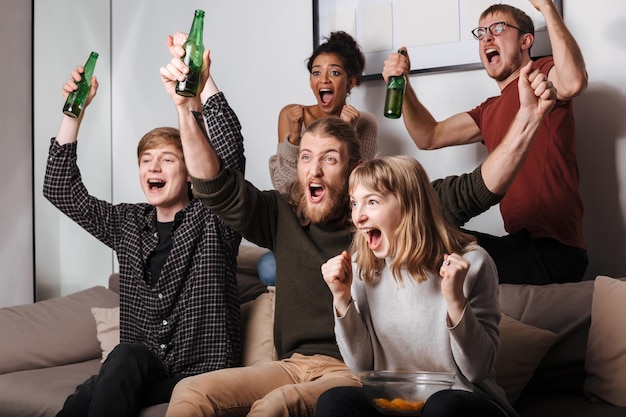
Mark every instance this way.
x=423 y=236
x=333 y=126
x=157 y=137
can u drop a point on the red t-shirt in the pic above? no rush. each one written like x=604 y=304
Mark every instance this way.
x=544 y=197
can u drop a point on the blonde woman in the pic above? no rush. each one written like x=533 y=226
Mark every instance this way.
x=424 y=296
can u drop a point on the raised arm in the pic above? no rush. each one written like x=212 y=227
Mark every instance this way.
x=68 y=129
x=62 y=184
x=282 y=165
x=465 y=196
x=569 y=74
x=200 y=157
x=337 y=272
x=426 y=132
x=225 y=134
x=537 y=96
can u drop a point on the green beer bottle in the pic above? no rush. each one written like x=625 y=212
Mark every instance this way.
x=395 y=94
x=194 y=48
x=76 y=99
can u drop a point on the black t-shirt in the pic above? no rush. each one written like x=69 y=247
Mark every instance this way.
x=161 y=252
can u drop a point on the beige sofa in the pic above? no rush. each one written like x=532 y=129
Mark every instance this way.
x=48 y=348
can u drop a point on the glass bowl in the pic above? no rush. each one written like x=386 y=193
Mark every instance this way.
x=403 y=393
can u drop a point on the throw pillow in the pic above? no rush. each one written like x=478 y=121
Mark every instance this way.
x=107 y=328
x=522 y=347
x=257 y=329
x=248 y=257
x=605 y=360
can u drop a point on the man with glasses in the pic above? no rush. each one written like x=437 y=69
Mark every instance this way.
x=542 y=210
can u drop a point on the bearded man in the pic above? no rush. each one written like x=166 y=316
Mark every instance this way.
x=304 y=229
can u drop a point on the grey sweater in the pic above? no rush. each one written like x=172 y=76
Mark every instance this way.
x=388 y=327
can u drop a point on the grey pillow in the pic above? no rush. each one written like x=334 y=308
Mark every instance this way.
x=564 y=309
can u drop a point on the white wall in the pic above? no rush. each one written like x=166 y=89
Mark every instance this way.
x=257 y=60
x=600 y=29
x=68 y=258
x=258 y=51
x=16 y=206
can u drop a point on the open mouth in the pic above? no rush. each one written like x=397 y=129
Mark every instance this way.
x=374 y=237
x=155 y=184
x=491 y=54
x=316 y=192
x=326 y=96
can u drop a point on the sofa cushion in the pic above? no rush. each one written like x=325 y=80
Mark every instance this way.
x=566 y=405
x=606 y=349
x=60 y=331
x=42 y=392
x=564 y=309
x=257 y=329
x=248 y=257
x=107 y=328
x=248 y=281
x=250 y=287
x=522 y=347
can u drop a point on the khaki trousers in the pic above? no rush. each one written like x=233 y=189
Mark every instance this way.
x=285 y=388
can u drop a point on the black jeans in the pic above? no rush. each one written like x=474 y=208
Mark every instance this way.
x=352 y=402
x=130 y=379
x=522 y=260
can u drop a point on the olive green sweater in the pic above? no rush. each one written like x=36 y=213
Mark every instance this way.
x=304 y=321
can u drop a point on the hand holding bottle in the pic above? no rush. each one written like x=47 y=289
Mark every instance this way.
x=72 y=85
x=176 y=69
x=396 y=85
x=193 y=58
x=70 y=124
x=397 y=63
x=78 y=89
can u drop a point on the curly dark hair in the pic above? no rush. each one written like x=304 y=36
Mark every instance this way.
x=343 y=45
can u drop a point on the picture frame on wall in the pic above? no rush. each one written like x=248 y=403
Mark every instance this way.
x=437 y=34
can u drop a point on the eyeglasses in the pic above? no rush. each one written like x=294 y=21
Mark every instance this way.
x=495 y=29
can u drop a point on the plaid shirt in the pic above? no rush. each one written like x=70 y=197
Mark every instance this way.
x=190 y=318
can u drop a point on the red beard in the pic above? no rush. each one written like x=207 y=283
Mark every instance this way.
x=334 y=207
